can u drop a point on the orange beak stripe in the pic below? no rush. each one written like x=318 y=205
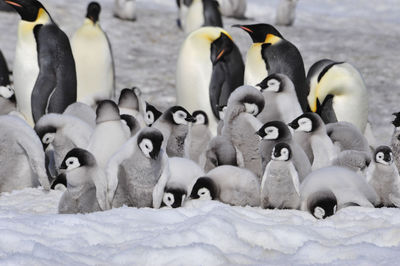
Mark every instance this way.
x=220 y=54
x=246 y=29
x=13 y=4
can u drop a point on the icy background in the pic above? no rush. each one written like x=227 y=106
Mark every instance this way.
x=365 y=33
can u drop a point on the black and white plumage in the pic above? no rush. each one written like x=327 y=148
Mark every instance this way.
x=132 y=123
x=130 y=102
x=138 y=172
x=8 y=102
x=22 y=162
x=383 y=176
x=86 y=184
x=395 y=141
x=275 y=132
x=4 y=71
x=152 y=114
x=230 y=185
x=280 y=185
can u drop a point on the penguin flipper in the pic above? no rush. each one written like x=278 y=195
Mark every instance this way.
x=216 y=86
x=100 y=181
x=158 y=191
x=395 y=200
x=212 y=15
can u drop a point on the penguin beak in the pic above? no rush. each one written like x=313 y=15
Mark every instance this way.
x=293 y=125
x=13 y=4
x=190 y=119
x=243 y=28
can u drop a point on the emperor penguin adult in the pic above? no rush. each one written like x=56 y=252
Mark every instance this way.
x=233 y=8
x=271 y=53
x=280 y=98
x=240 y=125
x=228 y=184
x=86 y=184
x=395 y=141
x=280 y=185
x=337 y=92
x=210 y=67
x=22 y=162
x=44 y=67
x=331 y=188
x=200 y=13
x=138 y=173
x=316 y=139
x=275 y=132
x=125 y=9
x=93 y=59
x=286 y=12
x=383 y=176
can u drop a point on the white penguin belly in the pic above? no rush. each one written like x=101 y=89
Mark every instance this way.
x=255 y=70
x=194 y=17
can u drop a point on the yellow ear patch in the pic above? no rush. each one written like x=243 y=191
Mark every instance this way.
x=42 y=17
x=272 y=39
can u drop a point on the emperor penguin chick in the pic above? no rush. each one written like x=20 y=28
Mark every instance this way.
x=86 y=184
x=280 y=98
x=22 y=162
x=138 y=172
x=131 y=103
x=323 y=150
x=183 y=175
x=383 y=176
x=230 y=185
x=110 y=133
x=395 y=142
x=220 y=151
x=347 y=136
x=94 y=60
x=151 y=115
x=82 y=111
x=8 y=103
x=198 y=136
x=280 y=186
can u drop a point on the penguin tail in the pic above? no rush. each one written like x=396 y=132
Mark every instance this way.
x=322 y=204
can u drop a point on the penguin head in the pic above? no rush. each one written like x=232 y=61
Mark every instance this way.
x=200 y=117
x=174 y=197
x=307 y=122
x=221 y=111
x=128 y=99
x=322 y=204
x=46 y=134
x=249 y=97
x=29 y=10
x=204 y=189
x=261 y=33
x=281 y=152
x=60 y=183
x=221 y=47
x=77 y=158
x=178 y=115
x=396 y=121
x=149 y=142
x=7 y=92
x=152 y=114
x=130 y=122
x=274 y=130
x=107 y=110
x=271 y=83
x=93 y=11
x=384 y=155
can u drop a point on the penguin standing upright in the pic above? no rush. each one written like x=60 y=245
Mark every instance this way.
x=201 y=13
x=125 y=9
x=395 y=142
x=93 y=59
x=210 y=67
x=286 y=12
x=44 y=67
x=233 y=8
x=271 y=53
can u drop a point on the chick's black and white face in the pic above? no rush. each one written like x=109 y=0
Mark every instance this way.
x=48 y=138
x=204 y=194
x=251 y=108
x=305 y=124
x=174 y=199
x=6 y=92
x=200 y=119
x=146 y=146
x=271 y=133
x=282 y=154
x=149 y=118
x=273 y=85
x=385 y=158
x=180 y=117
x=72 y=163
x=320 y=213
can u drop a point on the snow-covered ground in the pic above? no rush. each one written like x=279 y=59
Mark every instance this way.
x=363 y=32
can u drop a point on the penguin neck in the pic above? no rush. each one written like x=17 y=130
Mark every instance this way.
x=26 y=27
x=89 y=23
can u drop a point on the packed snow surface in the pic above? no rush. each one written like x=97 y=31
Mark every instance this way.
x=365 y=33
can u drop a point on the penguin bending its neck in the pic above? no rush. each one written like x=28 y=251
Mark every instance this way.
x=44 y=68
x=210 y=67
x=271 y=53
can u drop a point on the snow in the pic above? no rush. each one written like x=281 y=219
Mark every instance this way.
x=365 y=33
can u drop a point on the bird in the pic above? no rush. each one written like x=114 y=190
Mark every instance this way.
x=332 y=188
x=209 y=68
x=93 y=59
x=86 y=184
x=395 y=140
x=152 y=114
x=280 y=98
x=233 y=8
x=125 y=9
x=83 y=112
x=271 y=53
x=22 y=162
x=4 y=72
x=138 y=173
x=383 y=176
x=200 y=13
x=132 y=123
x=44 y=68
x=337 y=92
x=347 y=136
x=130 y=102
x=228 y=184
x=286 y=12
x=7 y=100
x=280 y=185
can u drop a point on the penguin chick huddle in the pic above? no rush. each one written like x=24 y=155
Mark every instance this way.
x=258 y=132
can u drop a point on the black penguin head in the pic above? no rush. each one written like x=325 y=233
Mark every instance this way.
x=396 y=121
x=93 y=11
x=251 y=99
x=76 y=158
x=152 y=114
x=307 y=122
x=274 y=130
x=107 y=110
x=221 y=47
x=178 y=116
x=322 y=204
x=174 y=197
x=29 y=10
x=259 y=32
x=128 y=99
x=204 y=189
x=200 y=117
x=221 y=111
x=131 y=122
x=281 y=152
x=272 y=83
x=7 y=92
x=60 y=183
x=149 y=142
x=383 y=155
x=46 y=135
